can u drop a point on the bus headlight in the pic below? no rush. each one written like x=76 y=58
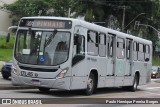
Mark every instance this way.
x=62 y=73
x=14 y=70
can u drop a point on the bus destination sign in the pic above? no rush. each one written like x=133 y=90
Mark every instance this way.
x=47 y=24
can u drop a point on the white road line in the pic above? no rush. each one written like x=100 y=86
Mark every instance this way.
x=153 y=93
x=151 y=88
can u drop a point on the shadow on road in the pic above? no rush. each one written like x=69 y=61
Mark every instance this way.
x=75 y=93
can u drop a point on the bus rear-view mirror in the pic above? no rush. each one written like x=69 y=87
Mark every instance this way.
x=77 y=39
x=8 y=38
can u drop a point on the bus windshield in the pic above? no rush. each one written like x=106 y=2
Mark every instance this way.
x=42 y=47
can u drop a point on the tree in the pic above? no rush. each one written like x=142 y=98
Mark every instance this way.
x=59 y=7
x=115 y=8
x=95 y=10
x=90 y=9
x=23 y=8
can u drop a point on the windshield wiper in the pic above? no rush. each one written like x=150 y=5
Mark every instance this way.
x=49 y=40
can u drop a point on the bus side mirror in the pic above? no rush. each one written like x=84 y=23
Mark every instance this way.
x=8 y=38
x=147 y=59
x=75 y=39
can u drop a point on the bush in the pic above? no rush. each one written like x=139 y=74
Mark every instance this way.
x=4 y=45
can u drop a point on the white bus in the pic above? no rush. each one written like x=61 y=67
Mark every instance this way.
x=71 y=54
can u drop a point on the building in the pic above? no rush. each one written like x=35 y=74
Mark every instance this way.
x=5 y=21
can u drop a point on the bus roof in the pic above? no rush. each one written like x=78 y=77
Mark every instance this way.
x=94 y=27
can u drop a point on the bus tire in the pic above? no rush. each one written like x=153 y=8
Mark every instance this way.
x=133 y=88
x=43 y=89
x=91 y=84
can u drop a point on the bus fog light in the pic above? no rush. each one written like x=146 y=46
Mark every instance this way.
x=62 y=73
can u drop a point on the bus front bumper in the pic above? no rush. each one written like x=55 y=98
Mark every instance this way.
x=63 y=83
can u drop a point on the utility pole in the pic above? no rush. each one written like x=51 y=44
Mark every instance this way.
x=124 y=13
x=69 y=12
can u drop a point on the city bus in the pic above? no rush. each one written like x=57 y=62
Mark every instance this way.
x=71 y=54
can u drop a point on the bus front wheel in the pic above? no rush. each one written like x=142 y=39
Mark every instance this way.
x=91 y=84
x=43 y=89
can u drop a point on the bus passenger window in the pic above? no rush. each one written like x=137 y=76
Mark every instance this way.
x=128 y=49
x=135 y=51
x=120 y=48
x=79 y=44
x=110 y=47
x=147 y=52
x=102 y=45
x=141 y=52
x=92 y=43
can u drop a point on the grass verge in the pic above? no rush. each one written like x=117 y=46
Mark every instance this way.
x=156 y=61
x=5 y=54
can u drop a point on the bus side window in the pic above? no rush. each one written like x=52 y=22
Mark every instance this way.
x=120 y=48
x=102 y=45
x=92 y=43
x=147 y=52
x=141 y=52
x=128 y=49
x=79 y=44
x=135 y=50
x=110 y=46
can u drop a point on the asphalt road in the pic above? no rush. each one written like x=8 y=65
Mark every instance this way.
x=151 y=90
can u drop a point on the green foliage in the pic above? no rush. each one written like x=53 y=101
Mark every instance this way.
x=102 y=9
x=24 y=8
x=59 y=7
x=6 y=48
x=5 y=54
x=95 y=11
x=156 y=61
x=4 y=45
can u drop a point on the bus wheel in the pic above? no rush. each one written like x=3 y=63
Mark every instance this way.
x=133 y=88
x=43 y=89
x=90 y=84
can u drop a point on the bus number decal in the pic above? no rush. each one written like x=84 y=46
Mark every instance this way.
x=28 y=74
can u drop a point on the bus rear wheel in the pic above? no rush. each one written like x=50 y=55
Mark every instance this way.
x=91 y=84
x=133 y=88
x=43 y=89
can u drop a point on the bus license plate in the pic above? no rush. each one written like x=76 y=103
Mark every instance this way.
x=35 y=82
x=26 y=74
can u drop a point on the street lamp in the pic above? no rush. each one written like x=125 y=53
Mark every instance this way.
x=138 y=24
x=134 y=19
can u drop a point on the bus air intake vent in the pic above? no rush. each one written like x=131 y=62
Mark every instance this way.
x=38 y=69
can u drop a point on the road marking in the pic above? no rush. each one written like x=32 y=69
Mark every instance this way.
x=153 y=93
x=151 y=88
